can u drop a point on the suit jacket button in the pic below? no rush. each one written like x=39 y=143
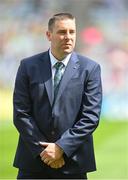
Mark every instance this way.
x=53 y=132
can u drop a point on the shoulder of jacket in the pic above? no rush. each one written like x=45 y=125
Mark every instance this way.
x=34 y=58
x=84 y=60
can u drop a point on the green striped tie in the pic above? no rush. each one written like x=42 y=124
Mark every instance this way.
x=58 y=76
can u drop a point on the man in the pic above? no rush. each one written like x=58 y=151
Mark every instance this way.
x=57 y=103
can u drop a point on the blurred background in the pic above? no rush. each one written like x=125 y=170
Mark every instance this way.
x=102 y=35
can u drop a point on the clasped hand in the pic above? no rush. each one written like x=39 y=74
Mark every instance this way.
x=52 y=155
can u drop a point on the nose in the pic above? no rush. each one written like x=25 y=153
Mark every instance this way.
x=67 y=36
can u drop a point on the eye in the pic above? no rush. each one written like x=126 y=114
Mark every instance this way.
x=72 y=32
x=61 y=32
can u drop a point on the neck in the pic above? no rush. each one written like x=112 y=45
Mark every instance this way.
x=59 y=57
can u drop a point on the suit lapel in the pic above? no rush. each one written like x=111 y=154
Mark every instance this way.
x=49 y=89
x=70 y=70
x=47 y=76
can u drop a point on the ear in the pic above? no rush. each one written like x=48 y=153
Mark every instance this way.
x=48 y=34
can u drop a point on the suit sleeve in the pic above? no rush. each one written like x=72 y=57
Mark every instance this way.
x=22 y=113
x=89 y=114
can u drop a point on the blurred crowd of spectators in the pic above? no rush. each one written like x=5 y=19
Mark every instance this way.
x=22 y=33
x=103 y=37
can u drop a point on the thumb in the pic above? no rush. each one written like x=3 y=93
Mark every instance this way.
x=45 y=144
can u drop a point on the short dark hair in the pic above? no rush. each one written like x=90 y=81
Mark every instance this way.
x=59 y=16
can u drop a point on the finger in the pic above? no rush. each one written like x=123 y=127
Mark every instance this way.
x=44 y=157
x=46 y=161
x=43 y=153
x=63 y=162
x=49 y=162
x=60 y=164
x=53 y=165
x=56 y=165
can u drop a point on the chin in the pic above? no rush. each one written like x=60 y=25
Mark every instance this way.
x=67 y=51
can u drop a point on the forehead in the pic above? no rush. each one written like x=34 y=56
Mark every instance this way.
x=65 y=24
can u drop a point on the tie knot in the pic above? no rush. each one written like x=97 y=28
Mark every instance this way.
x=59 y=65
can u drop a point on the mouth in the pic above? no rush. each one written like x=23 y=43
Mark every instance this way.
x=67 y=44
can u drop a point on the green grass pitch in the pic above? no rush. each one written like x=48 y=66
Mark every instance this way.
x=111 y=149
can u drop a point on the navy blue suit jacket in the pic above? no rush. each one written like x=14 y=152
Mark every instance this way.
x=69 y=122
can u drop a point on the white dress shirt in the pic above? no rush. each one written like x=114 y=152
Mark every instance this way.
x=54 y=61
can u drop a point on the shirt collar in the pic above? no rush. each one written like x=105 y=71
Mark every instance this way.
x=54 y=60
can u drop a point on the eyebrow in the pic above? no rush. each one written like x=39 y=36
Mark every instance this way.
x=63 y=30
